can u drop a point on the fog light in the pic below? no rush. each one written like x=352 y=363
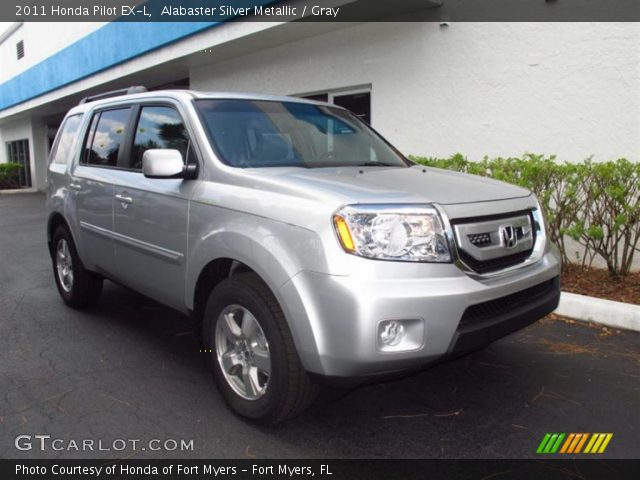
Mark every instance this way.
x=400 y=335
x=391 y=333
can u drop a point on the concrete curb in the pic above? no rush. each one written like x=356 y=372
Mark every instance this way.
x=598 y=310
x=19 y=190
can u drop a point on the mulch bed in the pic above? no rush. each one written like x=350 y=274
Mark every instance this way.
x=597 y=282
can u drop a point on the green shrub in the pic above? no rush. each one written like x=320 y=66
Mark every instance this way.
x=9 y=175
x=596 y=204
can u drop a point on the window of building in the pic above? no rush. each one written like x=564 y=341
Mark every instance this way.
x=64 y=142
x=18 y=152
x=358 y=101
x=105 y=137
x=159 y=127
x=20 y=49
x=320 y=97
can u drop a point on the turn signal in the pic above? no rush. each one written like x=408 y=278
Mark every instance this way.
x=344 y=234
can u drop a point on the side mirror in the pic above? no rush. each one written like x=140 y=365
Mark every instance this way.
x=164 y=163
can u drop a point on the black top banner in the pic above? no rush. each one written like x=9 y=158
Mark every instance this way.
x=320 y=10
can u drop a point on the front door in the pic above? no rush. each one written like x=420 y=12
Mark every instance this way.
x=150 y=215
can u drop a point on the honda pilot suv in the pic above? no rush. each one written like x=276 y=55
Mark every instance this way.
x=307 y=244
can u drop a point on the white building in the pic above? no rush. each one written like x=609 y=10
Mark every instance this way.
x=497 y=89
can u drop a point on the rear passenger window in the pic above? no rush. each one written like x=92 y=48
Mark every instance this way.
x=159 y=127
x=105 y=137
x=64 y=141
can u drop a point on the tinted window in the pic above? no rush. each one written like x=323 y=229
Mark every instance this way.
x=64 y=142
x=159 y=127
x=252 y=133
x=87 y=146
x=105 y=137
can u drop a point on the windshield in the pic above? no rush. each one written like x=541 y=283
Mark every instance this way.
x=254 y=133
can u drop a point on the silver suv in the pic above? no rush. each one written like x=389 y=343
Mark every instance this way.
x=307 y=244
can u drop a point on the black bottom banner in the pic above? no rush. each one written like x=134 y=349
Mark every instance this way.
x=319 y=469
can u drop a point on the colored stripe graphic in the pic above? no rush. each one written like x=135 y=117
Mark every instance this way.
x=572 y=443
x=606 y=441
x=577 y=441
x=543 y=443
x=550 y=443
x=594 y=437
x=567 y=443
x=598 y=443
x=581 y=442
x=556 y=445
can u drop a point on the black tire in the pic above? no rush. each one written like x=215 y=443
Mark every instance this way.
x=289 y=390
x=86 y=286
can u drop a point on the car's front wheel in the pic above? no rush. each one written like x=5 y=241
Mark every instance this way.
x=77 y=286
x=251 y=352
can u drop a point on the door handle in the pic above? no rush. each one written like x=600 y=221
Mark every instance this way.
x=75 y=186
x=124 y=199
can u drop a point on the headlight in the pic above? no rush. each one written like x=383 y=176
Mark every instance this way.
x=411 y=233
x=540 y=227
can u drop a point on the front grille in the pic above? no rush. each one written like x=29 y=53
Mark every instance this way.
x=482 y=240
x=495 y=264
x=482 y=312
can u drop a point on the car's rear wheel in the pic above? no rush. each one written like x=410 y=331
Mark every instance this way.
x=77 y=286
x=251 y=352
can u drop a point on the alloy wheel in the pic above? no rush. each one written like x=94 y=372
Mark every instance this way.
x=242 y=352
x=64 y=265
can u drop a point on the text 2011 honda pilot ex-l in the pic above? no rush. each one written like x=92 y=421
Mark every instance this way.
x=307 y=244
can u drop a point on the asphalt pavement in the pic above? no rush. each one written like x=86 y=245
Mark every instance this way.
x=131 y=369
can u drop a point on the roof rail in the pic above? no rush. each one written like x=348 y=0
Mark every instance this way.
x=114 y=93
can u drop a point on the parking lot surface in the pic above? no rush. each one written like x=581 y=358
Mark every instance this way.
x=131 y=369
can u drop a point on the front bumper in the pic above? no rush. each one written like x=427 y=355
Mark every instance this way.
x=334 y=319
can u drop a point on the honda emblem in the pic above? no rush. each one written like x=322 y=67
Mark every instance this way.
x=508 y=236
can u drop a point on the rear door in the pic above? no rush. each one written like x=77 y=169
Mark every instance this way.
x=91 y=185
x=150 y=215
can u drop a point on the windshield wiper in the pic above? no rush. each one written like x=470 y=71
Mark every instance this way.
x=376 y=164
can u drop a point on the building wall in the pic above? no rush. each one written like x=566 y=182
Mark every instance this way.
x=17 y=130
x=571 y=89
x=41 y=40
x=26 y=120
x=21 y=130
x=40 y=153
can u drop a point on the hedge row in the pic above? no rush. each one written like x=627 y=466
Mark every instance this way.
x=596 y=204
x=9 y=175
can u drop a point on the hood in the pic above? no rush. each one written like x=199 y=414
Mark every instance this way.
x=415 y=184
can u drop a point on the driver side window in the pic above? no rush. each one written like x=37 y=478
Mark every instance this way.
x=160 y=127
